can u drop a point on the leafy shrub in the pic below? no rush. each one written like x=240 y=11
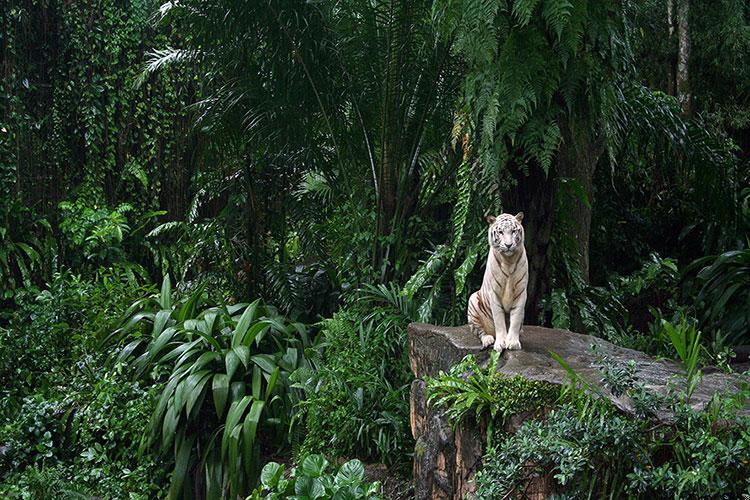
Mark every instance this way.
x=96 y=232
x=469 y=390
x=34 y=435
x=578 y=449
x=357 y=399
x=25 y=249
x=52 y=328
x=225 y=371
x=591 y=450
x=618 y=309
x=87 y=440
x=311 y=480
x=720 y=285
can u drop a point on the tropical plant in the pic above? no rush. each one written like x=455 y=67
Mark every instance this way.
x=357 y=398
x=312 y=480
x=485 y=395
x=721 y=284
x=24 y=253
x=226 y=370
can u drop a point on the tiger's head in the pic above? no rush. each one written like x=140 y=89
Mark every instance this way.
x=505 y=233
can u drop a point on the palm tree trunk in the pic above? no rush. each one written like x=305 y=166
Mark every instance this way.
x=683 y=57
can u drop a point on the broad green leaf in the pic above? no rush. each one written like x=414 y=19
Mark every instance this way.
x=237 y=390
x=164 y=337
x=234 y=455
x=351 y=473
x=165 y=297
x=232 y=361
x=204 y=359
x=188 y=308
x=249 y=430
x=265 y=361
x=307 y=487
x=243 y=353
x=196 y=391
x=220 y=386
x=236 y=411
x=244 y=323
x=270 y=475
x=169 y=425
x=314 y=465
x=254 y=332
x=272 y=382
x=180 y=350
x=181 y=462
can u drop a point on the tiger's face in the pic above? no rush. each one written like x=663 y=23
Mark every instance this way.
x=505 y=233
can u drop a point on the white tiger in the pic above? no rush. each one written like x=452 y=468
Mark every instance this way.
x=503 y=287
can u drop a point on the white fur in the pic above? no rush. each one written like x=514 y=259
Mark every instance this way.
x=503 y=288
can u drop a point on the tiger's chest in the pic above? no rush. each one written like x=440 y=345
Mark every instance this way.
x=507 y=283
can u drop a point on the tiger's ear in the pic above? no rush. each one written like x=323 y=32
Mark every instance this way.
x=490 y=219
x=519 y=217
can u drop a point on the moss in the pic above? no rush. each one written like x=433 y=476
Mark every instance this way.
x=470 y=390
x=517 y=394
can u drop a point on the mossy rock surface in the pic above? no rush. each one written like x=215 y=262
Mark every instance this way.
x=447 y=457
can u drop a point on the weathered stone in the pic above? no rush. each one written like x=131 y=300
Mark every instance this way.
x=445 y=459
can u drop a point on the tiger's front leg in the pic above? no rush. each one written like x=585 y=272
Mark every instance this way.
x=513 y=342
x=501 y=332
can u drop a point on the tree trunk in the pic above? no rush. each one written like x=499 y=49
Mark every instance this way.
x=535 y=196
x=683 y=57
x=670 y=40
x=578 y=156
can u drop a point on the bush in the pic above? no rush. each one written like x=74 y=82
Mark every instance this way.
x=85 y=441
x=720 y=285
x=486 y=395
x=591 y=450
x=581 y=450
x=311 y=480
x=357 y=400
x=52 y=328
x=225 y=370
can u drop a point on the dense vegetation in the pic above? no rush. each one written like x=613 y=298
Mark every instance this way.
x=217 y=219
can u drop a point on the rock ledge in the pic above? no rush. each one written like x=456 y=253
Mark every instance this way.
x=445 y=459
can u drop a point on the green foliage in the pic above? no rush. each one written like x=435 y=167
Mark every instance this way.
x=609 y=311
x=591 y=450
x=357 y=399
x=225 y=370
x=25 y=249
x=85 y=441
x=582 y=451
x=52 y=328
x=68 y=425
x=485 y=395
x=312 y=480
x=530 y=65
x=721 y=285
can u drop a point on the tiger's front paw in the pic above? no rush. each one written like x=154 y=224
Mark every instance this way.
x=513 y=345
x=487 y=340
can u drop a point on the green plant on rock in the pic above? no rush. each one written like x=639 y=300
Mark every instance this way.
x=226 y=370
x=469 y=390
x=582 y=450
x=312 y=480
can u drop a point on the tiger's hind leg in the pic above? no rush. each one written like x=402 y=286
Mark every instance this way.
x=479 y=324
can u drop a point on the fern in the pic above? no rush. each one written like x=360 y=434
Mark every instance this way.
x=556 y=14
x=522 y=11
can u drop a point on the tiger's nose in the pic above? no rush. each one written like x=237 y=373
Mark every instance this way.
x=507 y=246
